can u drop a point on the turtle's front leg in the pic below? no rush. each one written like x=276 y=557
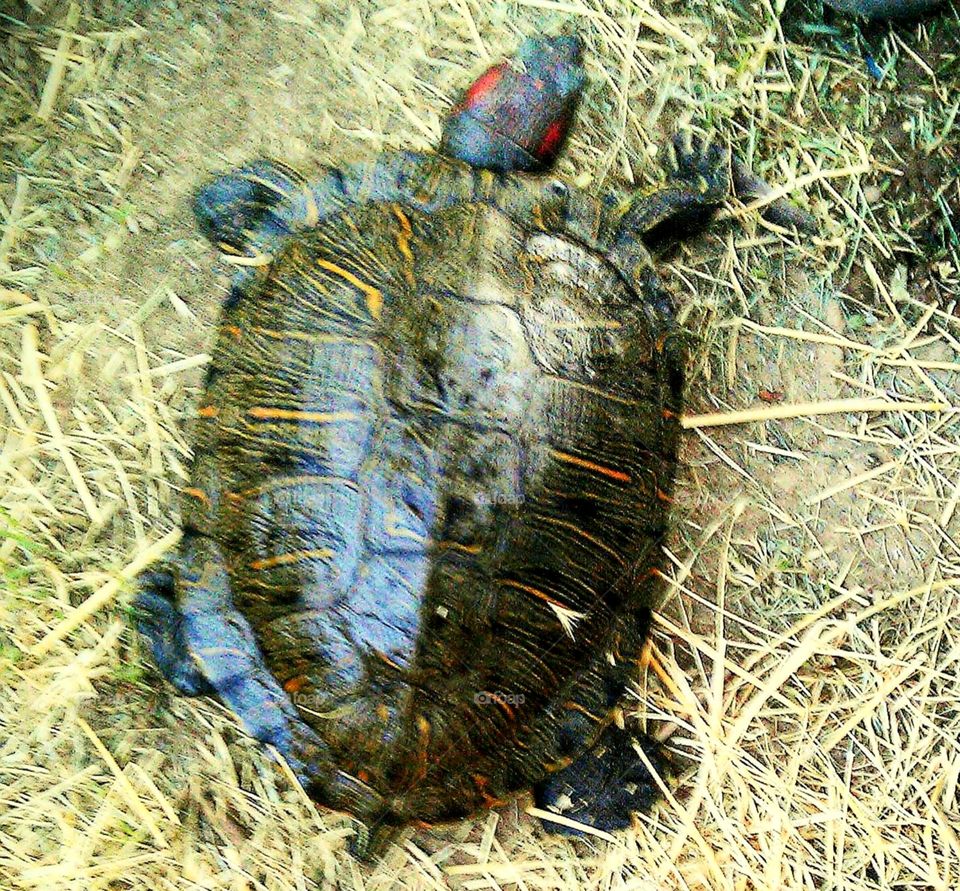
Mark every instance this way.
x=698 y=181
x=701 y=175
x=234 y=209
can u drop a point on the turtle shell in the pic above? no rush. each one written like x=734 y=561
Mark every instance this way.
x=434 y=456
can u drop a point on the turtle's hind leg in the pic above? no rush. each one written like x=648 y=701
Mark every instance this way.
x=595 y=774
x=202 y=644
x=605 y=785
x=162 y=624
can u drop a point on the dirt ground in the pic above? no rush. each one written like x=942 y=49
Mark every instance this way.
x=806 y=666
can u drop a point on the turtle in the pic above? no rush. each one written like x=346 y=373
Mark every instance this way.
x=433 y=464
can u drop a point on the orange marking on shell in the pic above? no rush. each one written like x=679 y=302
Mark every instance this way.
x=385 y=658
x=481 y=782
x=660 y=343
x=669 y=415
x=576 y=707
x=233 y=330
x=291 y=557
x=402 y=237
x=582 y=533
x=423 y=726
x=664 y=497
x=199 y=494
x=208 y=411
x=363 y=776
x=373 y=295
x=233 y=497
x=295 y=684
x=499 y=700
x=608 y=472
x=536 y=592
x=457 y=546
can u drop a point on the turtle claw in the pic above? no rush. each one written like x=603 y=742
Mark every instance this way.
x=369 y=842
x=698 y=181
x=710 y=170
x=700 y=163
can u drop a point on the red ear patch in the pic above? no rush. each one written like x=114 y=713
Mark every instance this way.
x=552 y=139
x=517 y=118
x=483 y=85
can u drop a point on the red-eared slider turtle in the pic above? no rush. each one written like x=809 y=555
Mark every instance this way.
x=433 y=465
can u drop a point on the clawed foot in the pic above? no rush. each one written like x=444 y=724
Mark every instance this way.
x=701 y=164
x=233 y=208
x=605 y=785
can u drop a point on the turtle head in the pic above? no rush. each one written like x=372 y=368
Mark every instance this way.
x=516 y=115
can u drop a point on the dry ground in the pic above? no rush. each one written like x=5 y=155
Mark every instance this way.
x=809 y=657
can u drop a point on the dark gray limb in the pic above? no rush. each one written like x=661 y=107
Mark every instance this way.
x=162 y=624
x=232 y=210
x=605 y=785
x=748 y=187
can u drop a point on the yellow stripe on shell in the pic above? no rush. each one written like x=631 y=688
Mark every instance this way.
x=310 y=337
x=291 y=557
x=536 y=592
x=373 y=295
x=402 y=236
x=266 y=413
x=554 y=521
x=595 y=391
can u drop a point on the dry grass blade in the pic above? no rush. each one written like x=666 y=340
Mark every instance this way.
x=808 y=410
x=129 y=793
x=55 y=78
x=107 y=592
x=33 y=375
